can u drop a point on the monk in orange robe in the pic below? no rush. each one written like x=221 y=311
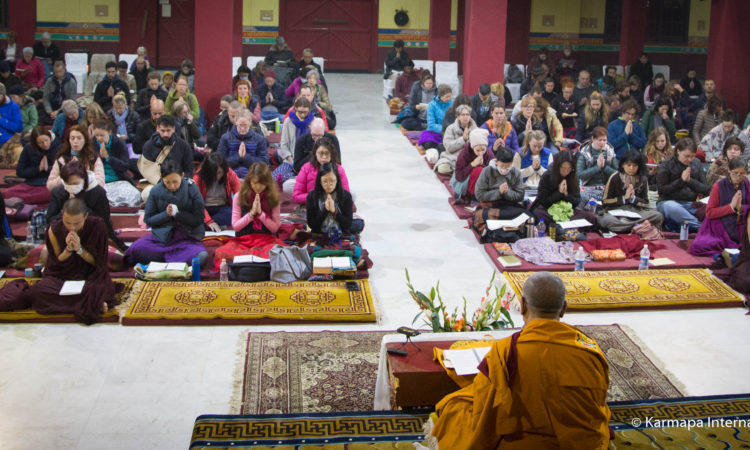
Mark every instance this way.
x=544 y=387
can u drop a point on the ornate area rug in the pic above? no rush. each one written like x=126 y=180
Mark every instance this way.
x=636 y=289
x=232 y=303
x=31 y=316
x=336 y=371
x=691 y=422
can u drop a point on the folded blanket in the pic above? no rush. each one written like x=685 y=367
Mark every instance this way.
x=631 y=244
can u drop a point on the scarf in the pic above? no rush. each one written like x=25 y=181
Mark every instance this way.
x=302 y=126
x=245 y=101
x=257 y=224
x=731 y=223
x=120 y=121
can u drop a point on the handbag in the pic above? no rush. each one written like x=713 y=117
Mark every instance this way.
x=250 y=272
x=647 y=232
x=151 y=170
x=289 y=264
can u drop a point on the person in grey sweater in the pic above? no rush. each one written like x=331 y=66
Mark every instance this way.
x=500 y=182
x=58 y=88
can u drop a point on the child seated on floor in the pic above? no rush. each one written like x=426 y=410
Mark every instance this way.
x=473 y=158
x=256 y=216
x=559 y=193
x=218 y=184
x=174 y=211
x=324 y=152
x=627 y=189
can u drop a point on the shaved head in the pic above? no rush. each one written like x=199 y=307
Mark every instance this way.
x=318 y=125
x=544 y=295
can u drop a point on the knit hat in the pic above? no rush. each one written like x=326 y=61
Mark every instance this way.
x=270 y=73
x=16 y=89
x=167 y=73
x=478 y=136
x=4 y=66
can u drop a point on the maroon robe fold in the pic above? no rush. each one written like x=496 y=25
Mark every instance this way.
x=99 y=287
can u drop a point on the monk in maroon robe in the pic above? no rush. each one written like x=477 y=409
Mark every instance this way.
x=77 y=248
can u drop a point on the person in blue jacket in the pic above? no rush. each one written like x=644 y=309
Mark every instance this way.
x=433 y=135
x=241 y=146
x=625 y=132
x=10 y=117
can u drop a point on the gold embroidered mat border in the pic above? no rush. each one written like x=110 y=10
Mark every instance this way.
x=31 y=316
x=634 y=289
x=231 y=303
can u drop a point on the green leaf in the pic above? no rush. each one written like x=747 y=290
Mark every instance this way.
x=432 y=294
x=424 y=299
x=435 y=323
x=417 y=317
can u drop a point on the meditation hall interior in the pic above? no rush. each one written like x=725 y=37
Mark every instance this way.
x=385 y=224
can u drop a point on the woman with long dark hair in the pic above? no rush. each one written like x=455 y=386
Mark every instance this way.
x=329 y=205
x=560 y=184
x=34 y=166
x=217 y=183
x=77 y=147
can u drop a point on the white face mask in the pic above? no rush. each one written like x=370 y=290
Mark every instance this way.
x=503 y=170
x=73 y=189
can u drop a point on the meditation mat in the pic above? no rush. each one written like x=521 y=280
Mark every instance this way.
x=691 y=422
x=340 y=430
x=327 y=371
x=721 y=421
x=640 y=289
x=236 y=303
x=31 y=316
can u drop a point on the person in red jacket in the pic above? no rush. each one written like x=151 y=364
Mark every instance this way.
x=30 y=70
x=217 y=184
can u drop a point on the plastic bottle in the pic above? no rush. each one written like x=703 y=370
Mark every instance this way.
x=645 y=255
x=580 y=260
x=684 y=231
x=29 y=233
x=541 y=229
x=223 y=271
x=592 y=206
x=196 y=269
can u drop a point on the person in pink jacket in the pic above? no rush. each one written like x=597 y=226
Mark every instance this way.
x=30 y=70
x=305 y=182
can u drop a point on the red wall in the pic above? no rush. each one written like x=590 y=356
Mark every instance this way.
x=213 y=52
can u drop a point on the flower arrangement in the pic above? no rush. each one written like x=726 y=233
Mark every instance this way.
x=492 y=314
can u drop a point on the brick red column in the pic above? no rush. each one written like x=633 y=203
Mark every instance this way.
x=484 y=42
x=518 y=27
x=22 y=20
x=728 y=35
x=237 y=30
x=632 y=31
x=439 y=41
x=213 y=52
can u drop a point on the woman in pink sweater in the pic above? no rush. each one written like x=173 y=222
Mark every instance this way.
x=305 y=182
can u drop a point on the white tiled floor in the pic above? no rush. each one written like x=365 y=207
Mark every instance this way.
x=108 y=386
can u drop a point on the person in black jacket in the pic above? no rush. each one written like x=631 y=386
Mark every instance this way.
x=560 y=184
x=76 y=184
x=396 y=59
x=223 y=123
x=110 y=85
x=303 y=147
x=680 y=180
x=140 y=72
x=480 y=105
x=113 y=152
x=329 y=206
x=153 y=91
x=273 y=101
x=125 y=119
x=34 y=165
x=166 y=135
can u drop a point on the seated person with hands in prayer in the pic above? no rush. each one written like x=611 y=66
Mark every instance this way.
x=469 y=165
x=627 y=189
x=543 y=387
x=560 y=184
x=681 y=180
x=329 y=206
x=324 y=152
x=500 y=184
x=77 y=248
x=533 y=159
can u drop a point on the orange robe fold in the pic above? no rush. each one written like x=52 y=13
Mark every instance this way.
x=556 y=397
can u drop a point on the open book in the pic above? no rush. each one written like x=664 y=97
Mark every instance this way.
x=249 y=259
x=72 y=287
x=332 y=263
x=229 y=233
x=160 y=266
x=465 y=361
x=625 y=213
x=580 y=223
x=513 y=224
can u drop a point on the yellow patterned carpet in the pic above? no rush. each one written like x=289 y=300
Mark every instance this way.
x=31 y=316
x=691 y=422
x=230 y=303
x=634 y=289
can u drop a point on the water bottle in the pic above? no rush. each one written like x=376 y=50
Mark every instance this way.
x=196 y=269
x=541 y=229
x=29 y=233
x=223 y=271
x=684 y=231
x=592 y=206
x=645 y=255
x=580 y=260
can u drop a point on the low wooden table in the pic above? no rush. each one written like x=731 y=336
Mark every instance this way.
x=416 y=379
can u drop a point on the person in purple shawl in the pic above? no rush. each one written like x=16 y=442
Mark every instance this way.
x=77 y=248
x=174 y=211
x=726 y=213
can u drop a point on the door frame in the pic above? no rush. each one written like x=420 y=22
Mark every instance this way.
x=374 y=8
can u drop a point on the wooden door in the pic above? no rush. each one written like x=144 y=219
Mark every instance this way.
x=341 y=31
x=175 y=34
x=138 y=25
